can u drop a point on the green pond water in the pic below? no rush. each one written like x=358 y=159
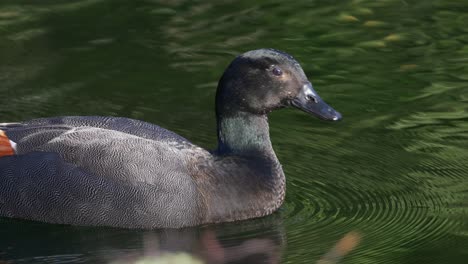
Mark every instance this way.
x=393 y=172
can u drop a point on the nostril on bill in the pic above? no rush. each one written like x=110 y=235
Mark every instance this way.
x=312 y=98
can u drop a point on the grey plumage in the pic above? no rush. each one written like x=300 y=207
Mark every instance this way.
x=110 y=171
x=102 y=176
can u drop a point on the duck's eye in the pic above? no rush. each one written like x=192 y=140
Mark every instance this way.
x=277 y=71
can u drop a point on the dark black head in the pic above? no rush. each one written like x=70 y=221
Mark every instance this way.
x=262 y=80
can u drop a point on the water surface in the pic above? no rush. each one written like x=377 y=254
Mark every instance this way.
x=394 y=171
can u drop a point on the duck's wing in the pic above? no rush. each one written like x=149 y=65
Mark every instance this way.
x=118 y=148
x=44 y=129
x=96 y=171
x=42 y=186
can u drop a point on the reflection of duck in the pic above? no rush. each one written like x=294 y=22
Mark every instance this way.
x=255 y=241
x=211 y=251
x=127 y=173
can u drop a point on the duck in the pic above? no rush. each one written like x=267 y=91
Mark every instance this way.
x=126 y=173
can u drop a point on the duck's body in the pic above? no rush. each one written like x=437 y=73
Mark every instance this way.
x=115 y=171
x=107 y=171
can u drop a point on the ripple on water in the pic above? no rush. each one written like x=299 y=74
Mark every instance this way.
x=398 y=204
x=389 y=221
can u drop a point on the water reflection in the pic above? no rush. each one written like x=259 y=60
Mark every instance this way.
x=341 y=248
x=258 y=241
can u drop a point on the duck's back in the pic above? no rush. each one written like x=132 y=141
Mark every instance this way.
x=46 y=128
x=138 y=171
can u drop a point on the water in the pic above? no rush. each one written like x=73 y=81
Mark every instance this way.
x=393 y=173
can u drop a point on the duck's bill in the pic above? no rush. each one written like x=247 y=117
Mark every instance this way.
x=310 y=102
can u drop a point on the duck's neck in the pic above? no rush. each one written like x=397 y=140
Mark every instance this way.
x=244 y=134
x=245 y=180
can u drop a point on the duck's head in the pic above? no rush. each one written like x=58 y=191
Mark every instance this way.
x=260 y=81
